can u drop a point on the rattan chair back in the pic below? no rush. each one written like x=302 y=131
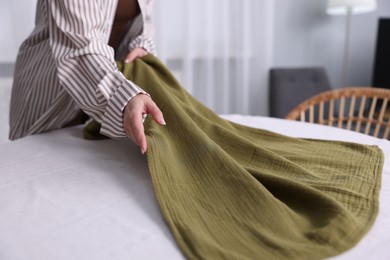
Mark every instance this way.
x=360 y=109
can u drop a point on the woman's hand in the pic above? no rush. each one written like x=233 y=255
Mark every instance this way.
x=138 y=107
x=134 y=112
x=135 y=54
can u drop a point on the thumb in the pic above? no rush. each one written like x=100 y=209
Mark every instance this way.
x=155 y=112
x=130 y=57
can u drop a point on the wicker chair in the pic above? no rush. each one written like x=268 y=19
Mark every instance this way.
x=360 y=109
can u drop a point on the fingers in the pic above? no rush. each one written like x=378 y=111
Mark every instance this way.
x=134 y=128
x=134 y=54
x=137 y=107
x=130 y=57
x=128 y=120
x=139 y=133
x=155 y=112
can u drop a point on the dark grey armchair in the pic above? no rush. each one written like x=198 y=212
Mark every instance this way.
x=290 y=86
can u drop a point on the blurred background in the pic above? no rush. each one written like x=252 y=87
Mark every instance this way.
x=222 y=50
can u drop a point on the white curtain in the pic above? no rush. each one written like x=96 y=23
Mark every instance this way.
x=220 y=50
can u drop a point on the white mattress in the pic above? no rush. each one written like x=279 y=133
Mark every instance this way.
x=62 y=197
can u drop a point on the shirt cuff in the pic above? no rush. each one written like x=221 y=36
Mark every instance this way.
x=112 y=121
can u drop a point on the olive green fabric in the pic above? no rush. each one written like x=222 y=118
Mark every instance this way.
x=232 y=192
x=92 y=131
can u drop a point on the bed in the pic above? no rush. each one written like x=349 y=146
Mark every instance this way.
x=63 y=197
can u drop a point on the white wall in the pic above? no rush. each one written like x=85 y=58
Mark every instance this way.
x=16 y=22
x=304 y=35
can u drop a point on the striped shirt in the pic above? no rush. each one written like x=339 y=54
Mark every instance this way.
x=66 y=65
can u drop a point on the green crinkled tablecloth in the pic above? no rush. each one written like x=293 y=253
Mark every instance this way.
x=232 y=192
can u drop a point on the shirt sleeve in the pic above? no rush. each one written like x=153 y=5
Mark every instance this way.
x=146 y=39
x=79 y=33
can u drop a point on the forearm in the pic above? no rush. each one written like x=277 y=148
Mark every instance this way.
x=85 y=63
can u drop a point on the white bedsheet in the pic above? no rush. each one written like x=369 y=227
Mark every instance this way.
x=64 y=198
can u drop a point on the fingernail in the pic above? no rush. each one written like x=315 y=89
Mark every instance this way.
x=143 y=151
x=162 y=121
x=126 y=61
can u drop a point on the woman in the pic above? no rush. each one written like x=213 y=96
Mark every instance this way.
x=66 y=68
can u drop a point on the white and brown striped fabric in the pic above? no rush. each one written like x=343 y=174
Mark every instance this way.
x=66 y=65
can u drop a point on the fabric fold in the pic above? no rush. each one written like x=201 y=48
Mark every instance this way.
x=229 y=191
